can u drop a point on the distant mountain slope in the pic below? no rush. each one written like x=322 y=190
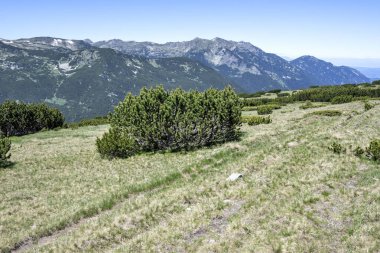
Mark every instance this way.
x=373 y=73
x=85 y=81
x=321 y=72
x=250 y=67
x=42 y=43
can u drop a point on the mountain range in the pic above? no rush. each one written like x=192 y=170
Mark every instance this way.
x=86 y=79
x=244 y=64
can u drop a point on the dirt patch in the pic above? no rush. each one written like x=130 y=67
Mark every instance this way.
x=26 y=245
x=219 y=223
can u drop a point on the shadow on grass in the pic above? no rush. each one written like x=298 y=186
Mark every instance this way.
x=6 y=165
x=183 y=150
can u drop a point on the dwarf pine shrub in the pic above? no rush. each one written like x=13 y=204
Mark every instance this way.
x=20 y=118
x=256 y=101
x=101 y=120
x=337 y=148
x=328 y=113
x=256 y=120
x=157 y=119
x=264 y=109
x=309 y=105
x=373 y=150
x=340 y=94
x=358 y=151
x=276 y=91
x=116 y=143
x=267 y=109
x=368 y=106
x=342 y=99
x=283 y=95
x=5 y=146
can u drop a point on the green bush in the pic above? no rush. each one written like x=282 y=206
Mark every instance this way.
x=342 y=99
x=373 y=151
x=116 y=143
x=368 y=106
x=20 y=118
x=267 y=109
x=5 y=146
x=176 y=120
x=256 y=101
x=358 y=151
x=337 y=148
x=309 y=105
x=264 y=109
x=283 y=94
x=256 y=120
x=89 y=122
x=316 y=94
x=275 y=106
x=274 y=91
x=264 y=101
x=327 y=93
x=364 y=98
x=328 y=113
x=252 y=95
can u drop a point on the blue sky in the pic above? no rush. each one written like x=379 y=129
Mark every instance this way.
x=323 y=28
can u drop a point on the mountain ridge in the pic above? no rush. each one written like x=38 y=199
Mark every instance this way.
x=242 y=62
x=322 y=72
x=88 y=82
x=86 y=79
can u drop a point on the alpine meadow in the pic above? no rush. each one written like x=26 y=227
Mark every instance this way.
x=181 y=143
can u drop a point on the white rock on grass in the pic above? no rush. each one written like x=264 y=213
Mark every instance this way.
x=234 y=176
x=293 y=144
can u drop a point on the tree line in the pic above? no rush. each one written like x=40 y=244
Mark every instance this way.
x=334 y=94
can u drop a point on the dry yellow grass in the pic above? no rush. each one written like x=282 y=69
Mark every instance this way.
x=295 y=194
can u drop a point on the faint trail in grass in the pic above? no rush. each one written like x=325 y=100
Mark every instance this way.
x=108 y=203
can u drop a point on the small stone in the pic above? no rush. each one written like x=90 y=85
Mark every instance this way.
x=234 y=176
x=292 y=144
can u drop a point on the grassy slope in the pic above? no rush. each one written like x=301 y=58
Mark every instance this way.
x=295 y=195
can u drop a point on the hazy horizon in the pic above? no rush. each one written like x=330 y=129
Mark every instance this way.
x=333 y=29
x=325 y=29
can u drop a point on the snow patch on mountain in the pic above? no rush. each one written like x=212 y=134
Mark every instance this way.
x=56 y=42
x=154 y=63
x=65 y=66
x=186 y=67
